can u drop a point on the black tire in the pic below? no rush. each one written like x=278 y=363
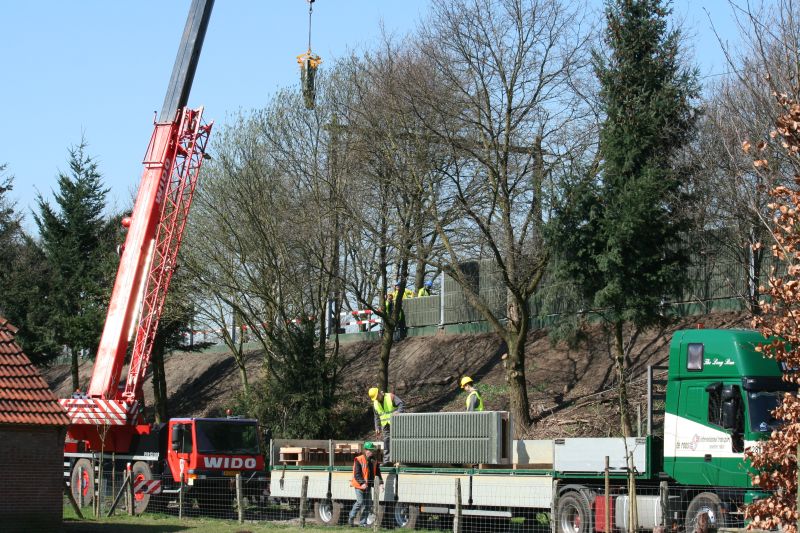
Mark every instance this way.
x=705 y=503
x=140 y=471
x=405 y=515
x=328 y=512
x=573 y=514
x=81 y=482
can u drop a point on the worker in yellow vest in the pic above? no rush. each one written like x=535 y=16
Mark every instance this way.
x=365 y=470
x=384 y=404
x=474 y=400
x=425 y=290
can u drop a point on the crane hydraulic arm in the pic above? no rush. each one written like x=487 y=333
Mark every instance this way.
x=155 y=229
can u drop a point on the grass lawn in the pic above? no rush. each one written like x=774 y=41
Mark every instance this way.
x=153 y=523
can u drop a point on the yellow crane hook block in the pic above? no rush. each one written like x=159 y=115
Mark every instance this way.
x=308 y=71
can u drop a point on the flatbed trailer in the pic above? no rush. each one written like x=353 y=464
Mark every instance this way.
x=720 y=393
x=558 y=478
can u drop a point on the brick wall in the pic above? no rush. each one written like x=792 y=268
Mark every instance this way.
x=32 y=466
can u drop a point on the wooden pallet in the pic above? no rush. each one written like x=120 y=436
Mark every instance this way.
x=291 y=455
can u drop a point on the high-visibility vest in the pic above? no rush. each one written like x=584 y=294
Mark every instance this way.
x=361 y=462
x=480 y=400
x=423 y=292
x=385 y=411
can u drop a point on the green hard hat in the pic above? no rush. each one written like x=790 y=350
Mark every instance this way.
x=369 y=446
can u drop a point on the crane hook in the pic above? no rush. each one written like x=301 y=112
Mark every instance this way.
x=308 y=66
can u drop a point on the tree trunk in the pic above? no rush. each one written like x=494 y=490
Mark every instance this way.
x=619 y=359
x=419 y=275
x=243 y=375
x=754 y=257
x=517 y=385
x=74 y=369
x=386 y=349
x=159 y=381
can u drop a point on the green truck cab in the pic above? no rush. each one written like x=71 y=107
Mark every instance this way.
x=720 y=395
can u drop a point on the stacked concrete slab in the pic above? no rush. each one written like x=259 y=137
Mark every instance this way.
x=452 y=438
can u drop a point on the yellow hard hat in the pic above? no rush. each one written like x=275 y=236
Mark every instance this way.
x=373 y=393
x=465 y=380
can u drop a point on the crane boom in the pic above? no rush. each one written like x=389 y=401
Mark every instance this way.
x=171 y=167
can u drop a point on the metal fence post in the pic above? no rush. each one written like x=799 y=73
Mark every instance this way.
x=239 y=506
x=180 y=491
x=303 y=501
x=607 y=502
x=441 y=302
x=457 y=519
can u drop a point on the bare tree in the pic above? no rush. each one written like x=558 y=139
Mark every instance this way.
x=504 y=99
x=392 y=166
x=264 y=240
x=742 y=108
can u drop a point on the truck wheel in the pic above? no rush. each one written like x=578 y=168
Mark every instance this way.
x=140 y=471
x=405 y=515
x=574 y=513
x=709 y=504
x=328 y=512
x=81 y=482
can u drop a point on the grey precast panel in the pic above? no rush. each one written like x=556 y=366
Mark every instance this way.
x=452 y=438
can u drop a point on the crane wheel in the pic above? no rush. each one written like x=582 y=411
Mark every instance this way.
x=140 y=472
x=81 y=482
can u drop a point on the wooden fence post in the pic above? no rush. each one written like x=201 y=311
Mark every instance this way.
x=123 y=489
x=377 y=505
x=663 y=490
x=128 y=487
x=457 y=519
x=72 y=501
x=239 y=498
x=303 y=501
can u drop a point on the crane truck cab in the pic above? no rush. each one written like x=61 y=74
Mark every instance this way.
x=202 y=448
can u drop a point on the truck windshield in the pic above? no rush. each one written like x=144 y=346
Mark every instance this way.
x=760 y=405
x=221 y=436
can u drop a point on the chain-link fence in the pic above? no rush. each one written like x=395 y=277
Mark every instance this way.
x=433 y=498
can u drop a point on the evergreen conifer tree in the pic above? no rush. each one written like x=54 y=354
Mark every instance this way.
x=620 y=236
x=78 y=242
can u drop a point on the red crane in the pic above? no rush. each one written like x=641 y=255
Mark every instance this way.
x=155 y=230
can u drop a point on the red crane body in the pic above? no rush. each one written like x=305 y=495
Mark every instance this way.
x=172 y=164
x=155 y=230
x=182 y=453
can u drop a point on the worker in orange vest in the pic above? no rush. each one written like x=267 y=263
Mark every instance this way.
x=365 y=470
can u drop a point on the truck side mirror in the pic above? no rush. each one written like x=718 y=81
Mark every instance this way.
x=177 y=438
x=729 y=415
x=730 y=407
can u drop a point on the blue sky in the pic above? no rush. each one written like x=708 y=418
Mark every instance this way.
x=99 y=68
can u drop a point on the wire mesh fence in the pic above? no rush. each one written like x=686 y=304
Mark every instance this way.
x=433 y=499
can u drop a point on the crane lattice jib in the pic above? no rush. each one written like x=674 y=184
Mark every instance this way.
x=191 y=145
x=171 y=164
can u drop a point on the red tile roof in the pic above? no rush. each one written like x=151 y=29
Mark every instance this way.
x=25 y=398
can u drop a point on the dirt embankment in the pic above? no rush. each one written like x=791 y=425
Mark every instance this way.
x=570 y=388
